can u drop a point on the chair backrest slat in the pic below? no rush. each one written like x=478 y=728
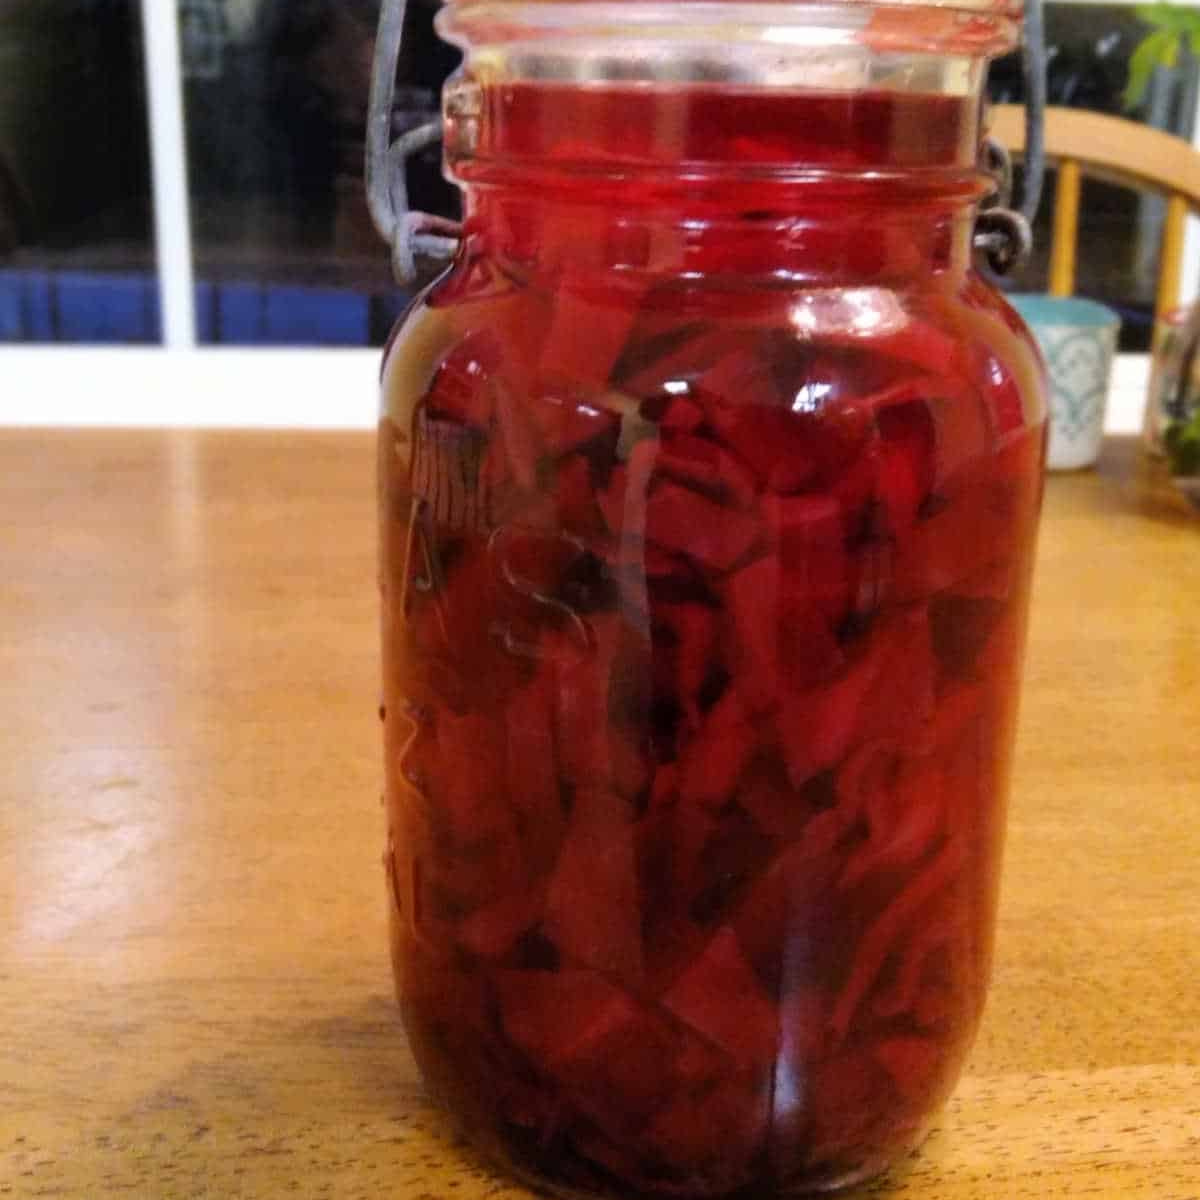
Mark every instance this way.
x=1065 y=236
x=1170 y=257
x=1109 y=147
x=1123 y=152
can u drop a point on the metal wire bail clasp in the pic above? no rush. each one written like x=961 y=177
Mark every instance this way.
x=1003 y=234
x=412 y=235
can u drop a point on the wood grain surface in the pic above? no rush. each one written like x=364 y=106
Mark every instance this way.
x=195 y=998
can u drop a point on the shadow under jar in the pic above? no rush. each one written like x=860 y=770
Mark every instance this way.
x=710 y=475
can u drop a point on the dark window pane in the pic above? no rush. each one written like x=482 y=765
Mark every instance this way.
x=276 y=107
x=276 y=95
x=76 y=231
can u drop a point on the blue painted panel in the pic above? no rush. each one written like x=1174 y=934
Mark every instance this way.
x=26 y=306
x=106 y=308
x=316 y=317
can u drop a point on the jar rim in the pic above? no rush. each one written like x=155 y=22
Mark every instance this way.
x=975 y=28
x=647 y=9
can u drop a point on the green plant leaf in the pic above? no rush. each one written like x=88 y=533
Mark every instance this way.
x=1175 y=18
x=1150 y=14
x=1160 y=48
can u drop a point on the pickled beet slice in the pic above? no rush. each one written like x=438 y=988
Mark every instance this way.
x=799 y=527
x=817 y=727
x=713 y=759
x=915 y=1064
x=612 y=500
x=588 y=586
x=923 y=345
x=530 y=563
x=782 y=634
x=962 y=430
x=689 y=524
x=720 y=995
x=846 y=1104
x=589 y=328
x=597 y=668
x=888 y=691
x=593 y=913
x=907 y=463
x=670 y=936
x=575 y=498
x=694 y=867
x=493 y=930
x=554 y=1017
x=470 y=768
x=733 y=852
x=704 y=466
x=979 y=522
x=760 y=372
x=566 y=418
x=617 y=1061
x=902 y=993
x=1002 y=402
x=487 y=612
x=451 y=886
x=462 y=384
x=691 y=655
x=904 y=822
x=678 y=358
x=887 y=931
x=438 y=985
x=870 y=768
x=960 y=627
x=674 y=412
x=708 y=1139
x=531 y=777
x=821 y=568
x=958 y=710
x=431 y=597
x=516 y=433
x=1002 y=647
x=961 y=536
x=447 y=1012
x=779 y=447
x=598 y=701
x=778 y=809
x=793 y=891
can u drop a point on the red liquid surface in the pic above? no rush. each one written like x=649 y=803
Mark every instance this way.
x=681 y=126
x=703 y=612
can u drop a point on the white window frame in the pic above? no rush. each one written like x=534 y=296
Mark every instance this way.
x=168 y=155
x=178 y=384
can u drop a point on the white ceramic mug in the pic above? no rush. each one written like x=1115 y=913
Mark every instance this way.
x=1078 y=339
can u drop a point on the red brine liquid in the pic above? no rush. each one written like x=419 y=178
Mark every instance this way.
x=704 y=596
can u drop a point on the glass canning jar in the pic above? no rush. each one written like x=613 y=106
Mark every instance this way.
x=709 y=478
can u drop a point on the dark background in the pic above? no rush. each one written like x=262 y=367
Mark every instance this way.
x=276 y=94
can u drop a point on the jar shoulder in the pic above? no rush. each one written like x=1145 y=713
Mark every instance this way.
x=613 y=341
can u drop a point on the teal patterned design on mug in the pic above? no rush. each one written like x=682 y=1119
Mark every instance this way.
x=1078 y=339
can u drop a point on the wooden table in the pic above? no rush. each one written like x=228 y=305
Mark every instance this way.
x=194 y=992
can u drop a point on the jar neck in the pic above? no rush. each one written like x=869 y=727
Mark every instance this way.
x=811 y=141
x=532 y=231
x=701 y=180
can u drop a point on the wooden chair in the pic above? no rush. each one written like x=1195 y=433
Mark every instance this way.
x=1119 y=151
